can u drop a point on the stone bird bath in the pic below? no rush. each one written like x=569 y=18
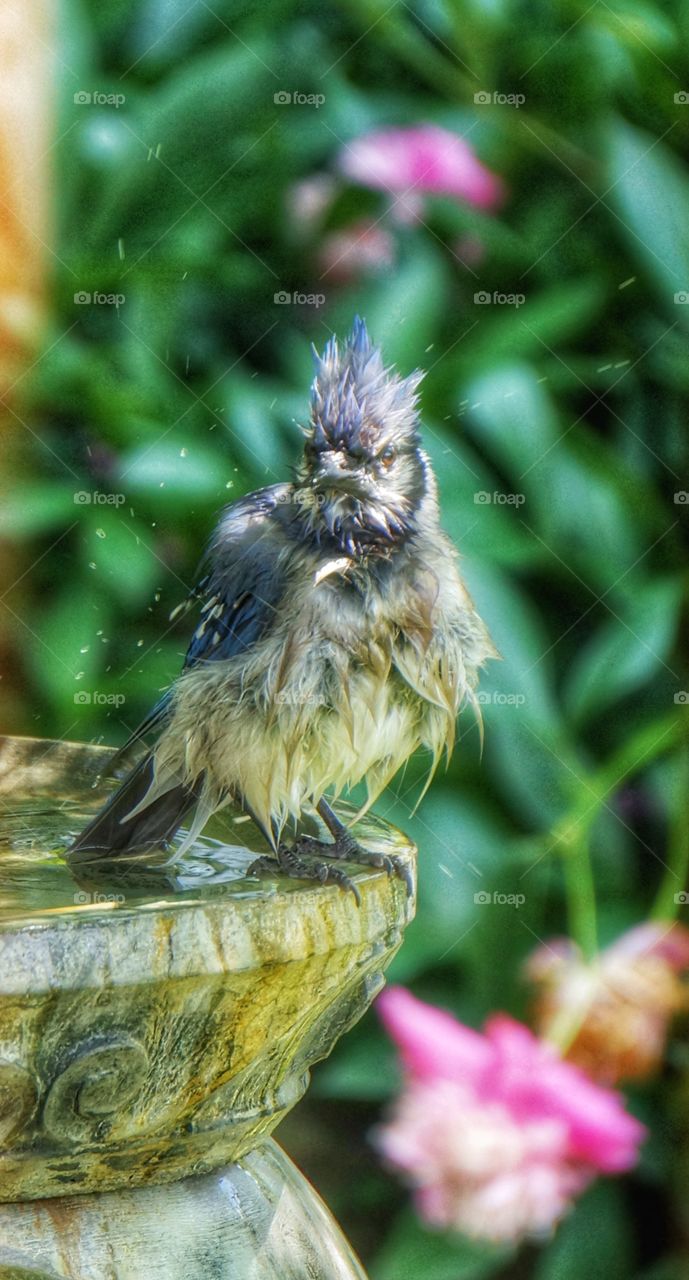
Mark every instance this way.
x=156 y=1023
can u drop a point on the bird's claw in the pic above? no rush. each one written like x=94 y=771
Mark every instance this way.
x=348 y=849
x=301 y=865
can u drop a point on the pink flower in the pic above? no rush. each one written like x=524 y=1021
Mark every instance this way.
x=422 y=159
x=615 y=1013
x=495 y=1133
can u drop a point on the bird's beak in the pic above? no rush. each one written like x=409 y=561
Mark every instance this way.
x=335 y=471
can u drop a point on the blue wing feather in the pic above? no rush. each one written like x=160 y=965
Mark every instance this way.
x=244 y=584
x=241 y=590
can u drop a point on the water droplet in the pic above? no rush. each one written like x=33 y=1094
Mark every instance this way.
x=100 y=533
x=85 y=648
x=183 y=453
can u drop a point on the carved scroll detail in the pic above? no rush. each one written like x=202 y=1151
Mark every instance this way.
x=95 y=1091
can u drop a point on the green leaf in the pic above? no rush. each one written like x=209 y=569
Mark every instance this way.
x=411 y=1250
x=463 y=846
x=571 y=496
x=364 y=1066
x=419 y=289
x=522 y=678
x=190 y=471
x=625 y=652
x=593 y=1241
x=651 y=194
x=36 y=508
x=259 y=435
x=56 y=649
x=124 y=556
x=487 y=531
x=544 y=320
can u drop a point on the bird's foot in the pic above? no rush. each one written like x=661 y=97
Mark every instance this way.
x=301 y=864
x=348 y=849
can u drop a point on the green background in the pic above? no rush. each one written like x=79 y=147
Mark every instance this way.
x=186 y=395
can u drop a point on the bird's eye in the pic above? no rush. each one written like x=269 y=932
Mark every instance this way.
x=388 y=455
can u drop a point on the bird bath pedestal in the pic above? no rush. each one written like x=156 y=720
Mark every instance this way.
x=156 y=1023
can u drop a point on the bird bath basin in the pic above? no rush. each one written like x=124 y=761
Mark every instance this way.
x=156 y=1023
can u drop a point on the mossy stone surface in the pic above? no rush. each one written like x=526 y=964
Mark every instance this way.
x=158 y=1021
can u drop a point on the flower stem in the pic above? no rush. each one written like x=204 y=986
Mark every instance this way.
x=573 y=833
x=581 y=894
x=674 y=882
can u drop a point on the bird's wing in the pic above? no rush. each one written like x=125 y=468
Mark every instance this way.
x=240 y=591
x=244 y=584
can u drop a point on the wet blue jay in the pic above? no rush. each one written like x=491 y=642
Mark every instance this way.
x=335 y=638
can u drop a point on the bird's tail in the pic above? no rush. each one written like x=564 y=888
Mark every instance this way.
x=127 y=823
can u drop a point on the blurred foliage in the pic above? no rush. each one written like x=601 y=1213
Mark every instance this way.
x=180 y=199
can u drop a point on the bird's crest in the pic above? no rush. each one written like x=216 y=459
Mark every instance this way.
x=354 y=398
